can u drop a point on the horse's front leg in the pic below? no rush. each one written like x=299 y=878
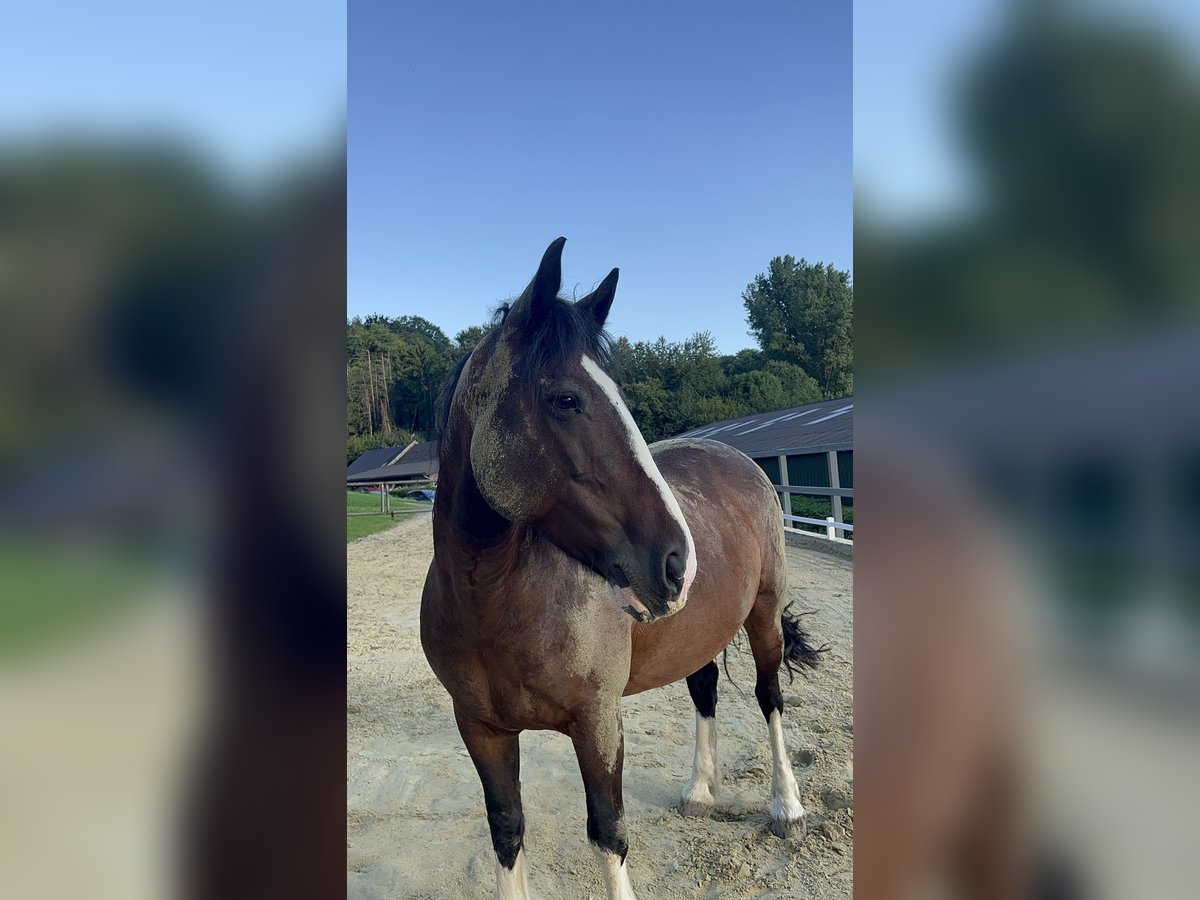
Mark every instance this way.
x=600 y=747
x=497 y=758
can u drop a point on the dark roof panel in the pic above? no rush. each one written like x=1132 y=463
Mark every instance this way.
x=373 y=459
x=418 y=462
x=825 y=425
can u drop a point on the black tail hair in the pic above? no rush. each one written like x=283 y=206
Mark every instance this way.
x=798 y=653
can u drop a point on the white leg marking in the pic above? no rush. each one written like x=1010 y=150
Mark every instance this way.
x=706 y=778
x=616 y=876
x=513 y=884
x=642 y=452
x=786 y=810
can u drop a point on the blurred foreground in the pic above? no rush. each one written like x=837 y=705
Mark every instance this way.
x=172 y=628
x=1027 y=584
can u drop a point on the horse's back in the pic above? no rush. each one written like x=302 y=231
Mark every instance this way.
x=733 y=514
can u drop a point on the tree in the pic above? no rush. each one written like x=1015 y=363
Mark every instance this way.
x=672 y=386
x=1081 y=132
x=798 y=386
x=747 y=360
x=653 y=408
x=394 y=371
x=467 y=339
x=757 y=392
x=802 y=313
x=395 y=368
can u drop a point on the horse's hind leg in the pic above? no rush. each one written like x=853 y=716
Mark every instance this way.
x=765 y=629
x=698 y=796
x=497 y=758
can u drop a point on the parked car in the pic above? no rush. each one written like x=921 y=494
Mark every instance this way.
x=425 y=495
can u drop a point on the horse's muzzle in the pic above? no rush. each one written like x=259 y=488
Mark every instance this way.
x=648 y=605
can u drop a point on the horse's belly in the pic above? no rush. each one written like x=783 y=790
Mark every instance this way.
x=671 y=649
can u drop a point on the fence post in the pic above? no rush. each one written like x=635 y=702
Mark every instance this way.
x=787 y=497
x=835 y=501
x=829 y=529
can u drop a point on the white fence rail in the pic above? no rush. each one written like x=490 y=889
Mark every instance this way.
x=832 y=527
x=836 y=494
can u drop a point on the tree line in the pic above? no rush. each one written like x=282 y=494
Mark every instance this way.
x=800 y=314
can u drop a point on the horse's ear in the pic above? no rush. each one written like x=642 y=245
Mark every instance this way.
x=598 y=302
x=532 y=304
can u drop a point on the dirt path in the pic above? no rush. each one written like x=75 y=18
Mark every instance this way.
x=416 y=825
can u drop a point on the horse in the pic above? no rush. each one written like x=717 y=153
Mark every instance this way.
x=574 y=565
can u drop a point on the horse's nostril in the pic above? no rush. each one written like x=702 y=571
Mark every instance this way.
x=674 y=567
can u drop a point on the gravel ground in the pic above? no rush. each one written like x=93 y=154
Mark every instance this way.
x=416 y=825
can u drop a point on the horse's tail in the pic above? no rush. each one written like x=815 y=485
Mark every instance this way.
x=798 y=651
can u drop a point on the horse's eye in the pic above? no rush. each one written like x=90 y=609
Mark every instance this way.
x=566 y=402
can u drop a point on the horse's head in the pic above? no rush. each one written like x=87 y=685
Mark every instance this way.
x=553 y=446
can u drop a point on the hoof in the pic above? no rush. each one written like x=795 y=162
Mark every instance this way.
x=787 y=817
x=788 y=828
x=696 y=809
x=696 y=801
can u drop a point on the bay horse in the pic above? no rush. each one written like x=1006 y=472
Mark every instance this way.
x=574 y=565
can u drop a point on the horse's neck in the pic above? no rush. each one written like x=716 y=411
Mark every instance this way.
x=479 y=540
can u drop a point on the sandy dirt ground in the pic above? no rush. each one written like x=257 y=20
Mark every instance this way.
x=416 y=825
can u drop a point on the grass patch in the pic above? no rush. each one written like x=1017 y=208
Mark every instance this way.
x=50 y=593
x=363 y=525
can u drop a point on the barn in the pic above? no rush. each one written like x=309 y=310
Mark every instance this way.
x=808 y=453
x=414 y=464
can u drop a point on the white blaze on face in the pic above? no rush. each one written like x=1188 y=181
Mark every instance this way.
x=638 y=444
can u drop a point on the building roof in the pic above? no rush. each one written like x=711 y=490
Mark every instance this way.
x=419 y=462
x=373 y=459
x=1122 y=395
x=812 y=428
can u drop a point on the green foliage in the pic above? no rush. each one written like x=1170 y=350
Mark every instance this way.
x=802 y=313
x=798 y=386
x=748 y=360
x=820 y=508
x=675 y=387
x=395 y=367
x=653 y=408
x=466 y=340
x=777 y=386
x=54 y=593
x=1081 y=133
x=394 y=371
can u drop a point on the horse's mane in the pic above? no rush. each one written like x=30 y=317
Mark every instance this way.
x=562 y=335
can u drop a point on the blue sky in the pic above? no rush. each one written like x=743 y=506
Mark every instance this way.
x=253 y=86
x=906 y=163
x=907 y=61
x=687 y=144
